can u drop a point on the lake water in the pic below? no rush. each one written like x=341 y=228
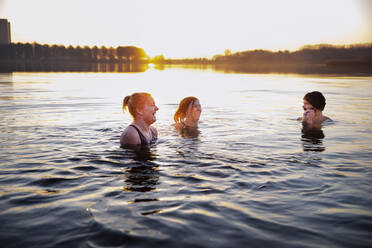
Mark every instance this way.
x=251 y=178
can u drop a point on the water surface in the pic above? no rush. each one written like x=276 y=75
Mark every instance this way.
x=250 y=179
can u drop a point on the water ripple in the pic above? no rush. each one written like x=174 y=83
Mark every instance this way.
x=251 y=178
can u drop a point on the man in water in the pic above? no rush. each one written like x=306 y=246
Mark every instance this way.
x=314 y=103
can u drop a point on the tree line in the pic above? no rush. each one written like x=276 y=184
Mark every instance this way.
x=309 y=54
x=60 y=53
x=35 y=56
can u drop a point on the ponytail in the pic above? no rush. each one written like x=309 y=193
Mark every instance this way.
x=126 y=103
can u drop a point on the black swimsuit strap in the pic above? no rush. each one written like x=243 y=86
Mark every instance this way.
x=144 y=141
x=142 y=137
x=154 y=137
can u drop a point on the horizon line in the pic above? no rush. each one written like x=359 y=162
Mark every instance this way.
x=211 y=56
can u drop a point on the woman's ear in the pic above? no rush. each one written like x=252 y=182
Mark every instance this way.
x=139 y=111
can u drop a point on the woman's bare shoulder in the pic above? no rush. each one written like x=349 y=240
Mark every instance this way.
x=328 y=121
x=130 y=136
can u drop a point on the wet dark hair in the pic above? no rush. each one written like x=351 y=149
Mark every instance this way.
x=316 y=99
x=134 y=101
x=180 y=114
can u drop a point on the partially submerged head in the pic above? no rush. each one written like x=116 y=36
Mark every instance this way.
x=141 y=105
x=313 y=105
x=189 y=107
x=314 y=99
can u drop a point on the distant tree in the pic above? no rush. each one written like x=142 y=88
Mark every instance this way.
x=28 y=51
x=95 y=53
x=86 y=53
x=70 y=51
x=101 y=53
x=159 y=59
x=112 y=54
x=78 y=52
x=130 y=53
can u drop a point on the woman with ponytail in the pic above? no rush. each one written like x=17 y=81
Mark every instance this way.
x=142 y=108
x=187 y=116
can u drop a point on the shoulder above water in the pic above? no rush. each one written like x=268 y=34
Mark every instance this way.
x=130 y=136
x=328 y=121
x=325 y=121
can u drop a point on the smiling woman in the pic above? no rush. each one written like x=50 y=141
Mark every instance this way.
x=178 y=28
x=140 y=133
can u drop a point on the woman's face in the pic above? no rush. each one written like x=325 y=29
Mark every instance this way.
x=195 y=109
x=149 y=110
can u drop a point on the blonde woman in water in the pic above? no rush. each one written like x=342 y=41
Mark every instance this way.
x=140 y=133
x=187 y=116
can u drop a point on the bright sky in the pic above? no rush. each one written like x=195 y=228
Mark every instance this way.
x=190 y=28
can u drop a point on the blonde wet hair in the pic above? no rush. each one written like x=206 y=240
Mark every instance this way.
x=181 y=112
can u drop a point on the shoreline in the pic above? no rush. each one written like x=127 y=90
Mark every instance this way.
x=334 y=67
